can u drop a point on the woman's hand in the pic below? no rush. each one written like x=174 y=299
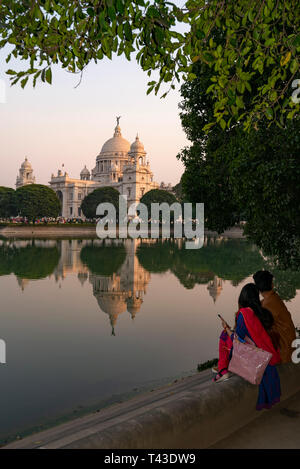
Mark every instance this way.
x=224 y=324
x=226 y=328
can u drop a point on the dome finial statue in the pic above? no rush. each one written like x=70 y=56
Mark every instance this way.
x=117 y=128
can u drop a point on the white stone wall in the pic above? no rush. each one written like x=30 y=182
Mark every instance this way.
x=118 y=165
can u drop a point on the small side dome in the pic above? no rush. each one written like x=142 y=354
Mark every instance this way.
x=137 y=146
x=26 y=164
x=85 y=173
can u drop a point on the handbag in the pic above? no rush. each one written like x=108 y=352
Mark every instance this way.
x=248 y=361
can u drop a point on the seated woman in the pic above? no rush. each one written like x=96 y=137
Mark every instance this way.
x=255 y=322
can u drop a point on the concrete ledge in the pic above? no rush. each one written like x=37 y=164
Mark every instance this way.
x=43 y=231
x=193 y=413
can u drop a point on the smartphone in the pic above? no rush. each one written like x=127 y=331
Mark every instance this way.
x=222 y=319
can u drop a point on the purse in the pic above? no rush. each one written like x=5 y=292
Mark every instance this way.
x=248 y=361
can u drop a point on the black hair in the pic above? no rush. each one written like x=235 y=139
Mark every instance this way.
x=249 y=298
x=263 y=280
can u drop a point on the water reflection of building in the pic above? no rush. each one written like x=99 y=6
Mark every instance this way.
x=122 y=291
x=70 y=262
x=215 y=287
x=82 y=277
x=121 y=288
x=125 y=289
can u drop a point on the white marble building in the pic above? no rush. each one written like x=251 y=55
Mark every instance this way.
x=119 y=165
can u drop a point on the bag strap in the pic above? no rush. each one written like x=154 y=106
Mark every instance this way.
x=248 y=340
x=243 y=341
x=239 y=338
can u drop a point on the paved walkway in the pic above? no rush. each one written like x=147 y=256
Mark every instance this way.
x=190 y=413
x=276 y=428
x=116 y=415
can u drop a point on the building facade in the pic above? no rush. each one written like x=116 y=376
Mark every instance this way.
x=119 y=165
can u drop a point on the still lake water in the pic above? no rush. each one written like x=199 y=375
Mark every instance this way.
x=90 y=322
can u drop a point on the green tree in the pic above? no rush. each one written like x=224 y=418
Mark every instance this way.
x=8 y=206
x=177 y=189
x=262 y=40
x=265 y=173
x=158 y=196
x=238 y=175
x=286 y=282
x=99 y=196
x=37 y=201
x=206 y=179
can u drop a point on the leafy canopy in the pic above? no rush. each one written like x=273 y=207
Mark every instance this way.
x=157 y=196
x=37 y=201
x=8 y=207
x=262 y=40
x=99 y=196
x=252 y=176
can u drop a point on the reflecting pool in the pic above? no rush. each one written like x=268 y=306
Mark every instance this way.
x=91 y=322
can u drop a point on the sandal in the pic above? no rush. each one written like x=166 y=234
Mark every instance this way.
x=223 y=375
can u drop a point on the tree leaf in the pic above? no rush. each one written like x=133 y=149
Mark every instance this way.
x=48 y=75
x=285 y=59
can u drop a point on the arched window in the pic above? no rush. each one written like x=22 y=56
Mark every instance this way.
x=60 y=197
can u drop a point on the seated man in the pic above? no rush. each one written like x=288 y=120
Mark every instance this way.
x=283 y=325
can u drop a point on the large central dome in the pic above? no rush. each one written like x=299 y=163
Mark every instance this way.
x=116 y=144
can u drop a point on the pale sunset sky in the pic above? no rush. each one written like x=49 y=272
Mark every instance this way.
x=60 y=124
